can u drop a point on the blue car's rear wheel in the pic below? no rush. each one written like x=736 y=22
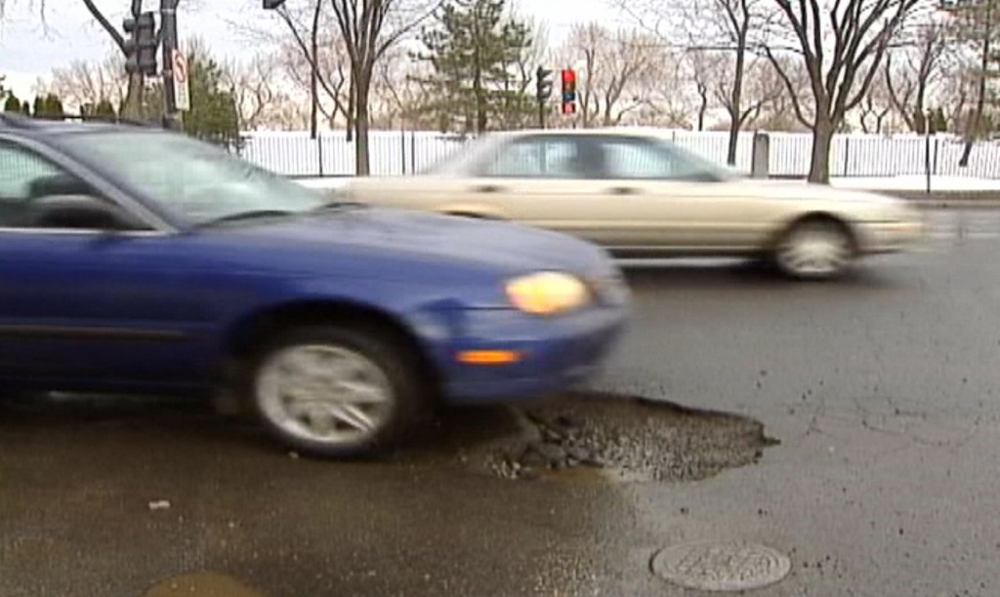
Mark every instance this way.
x=336 y=391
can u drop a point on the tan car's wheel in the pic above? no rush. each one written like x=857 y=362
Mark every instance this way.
x=815 y=249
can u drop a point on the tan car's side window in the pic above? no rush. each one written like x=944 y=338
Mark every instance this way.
x=535 y=158
x=636 y=159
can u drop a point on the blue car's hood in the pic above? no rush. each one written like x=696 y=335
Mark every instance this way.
x=384 y=239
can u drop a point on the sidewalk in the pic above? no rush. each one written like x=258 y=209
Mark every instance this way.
x=946 y=192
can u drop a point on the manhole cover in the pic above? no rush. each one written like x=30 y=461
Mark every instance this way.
x=730 y=566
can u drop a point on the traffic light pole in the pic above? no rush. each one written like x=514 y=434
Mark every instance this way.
x=168 y=41
x=541 y=114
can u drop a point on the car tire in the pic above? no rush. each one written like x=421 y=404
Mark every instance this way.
x=336 y=392
x=815 y=249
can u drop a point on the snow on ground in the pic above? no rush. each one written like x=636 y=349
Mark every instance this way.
x=894 y=183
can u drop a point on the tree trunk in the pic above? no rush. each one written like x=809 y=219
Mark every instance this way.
x=351 y=103
x=314 y=73
x=977 y=119
x=736 y=101
x=734 y=136
x=479 y=97
x=131 y=108
x=361 y=125
x=702 y=108
x=819 y=167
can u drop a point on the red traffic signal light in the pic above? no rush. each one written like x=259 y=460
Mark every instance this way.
x=568 y=91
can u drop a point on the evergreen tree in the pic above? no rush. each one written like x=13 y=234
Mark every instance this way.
x=49 y=107
x=473 y=49
x=104 y=110
x=12 y=104
x=54 y=107
x=940 y=120
x=213 y=115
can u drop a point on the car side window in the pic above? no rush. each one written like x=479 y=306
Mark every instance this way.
x=27 y=179
x=536 y=158
x=639 y=159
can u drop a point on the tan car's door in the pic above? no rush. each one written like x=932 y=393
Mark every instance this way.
x=544 y=180
x=678 y=203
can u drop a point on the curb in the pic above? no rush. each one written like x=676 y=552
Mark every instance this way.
x=972 y=204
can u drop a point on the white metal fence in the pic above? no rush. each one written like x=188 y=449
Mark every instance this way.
x=398 y=152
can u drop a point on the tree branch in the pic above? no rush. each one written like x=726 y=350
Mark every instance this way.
x=790 y=87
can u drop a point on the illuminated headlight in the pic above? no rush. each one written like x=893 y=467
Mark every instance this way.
x=547 y=293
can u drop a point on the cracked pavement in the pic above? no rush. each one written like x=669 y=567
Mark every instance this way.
x=881 y=388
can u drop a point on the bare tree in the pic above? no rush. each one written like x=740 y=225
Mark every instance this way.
x=727 y=25
x=39 y=4
x=330 y=78
x=613 y=67
x=840 y=69
x=757 y=90
x=778 y=114
x=730 y=27
x=255 y=86
x=955 y=97
x=911 y=72
x=84 y=82
x=974 y=25
x=876 y=107
x=668 y=98
x=369 y=29
x=702 y=66
x=315 y=60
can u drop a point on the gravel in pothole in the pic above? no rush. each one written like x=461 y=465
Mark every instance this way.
x=627 y=438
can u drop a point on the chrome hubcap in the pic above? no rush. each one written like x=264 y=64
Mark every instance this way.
x=327 y=394
x=815 y=251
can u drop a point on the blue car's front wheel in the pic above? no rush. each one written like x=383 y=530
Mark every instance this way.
x=335 y=391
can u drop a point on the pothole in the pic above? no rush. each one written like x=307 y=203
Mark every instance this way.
x=733 y=566
x=625 y=438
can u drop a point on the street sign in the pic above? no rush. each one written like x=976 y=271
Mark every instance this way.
x=182 y=95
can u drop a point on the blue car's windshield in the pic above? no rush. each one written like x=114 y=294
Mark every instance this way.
x=200 y=182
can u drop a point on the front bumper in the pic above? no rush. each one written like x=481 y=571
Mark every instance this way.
x=556 y=353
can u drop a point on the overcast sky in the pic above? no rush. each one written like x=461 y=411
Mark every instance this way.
x=29 y=50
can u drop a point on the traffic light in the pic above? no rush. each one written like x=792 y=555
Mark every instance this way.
x=568 y=91
x=273 y=4
x=141 y=44
x=543 y=84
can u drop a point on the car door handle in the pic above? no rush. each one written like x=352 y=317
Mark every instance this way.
x=488 y=188
x=623 y=191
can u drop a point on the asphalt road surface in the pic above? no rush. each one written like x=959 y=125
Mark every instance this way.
x=883 y=390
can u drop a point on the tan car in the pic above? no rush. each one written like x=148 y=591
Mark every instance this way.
x=640 y=196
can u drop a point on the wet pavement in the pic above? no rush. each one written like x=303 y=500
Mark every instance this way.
x=854 y=430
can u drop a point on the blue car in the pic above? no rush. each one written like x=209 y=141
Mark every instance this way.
x=136 y=260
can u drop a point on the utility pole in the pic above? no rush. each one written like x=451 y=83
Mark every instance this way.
x=168 y=39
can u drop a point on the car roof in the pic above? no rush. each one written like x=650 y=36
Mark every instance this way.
x=32 y=126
